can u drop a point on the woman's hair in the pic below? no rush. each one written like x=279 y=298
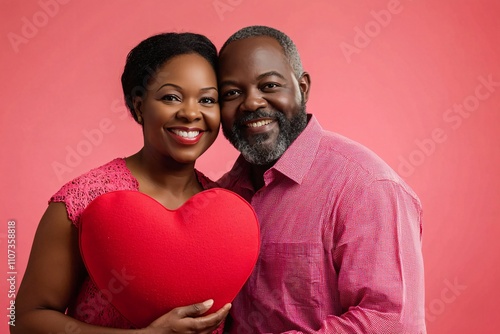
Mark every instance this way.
x=148 y=56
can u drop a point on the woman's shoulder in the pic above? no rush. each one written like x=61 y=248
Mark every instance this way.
x=114 y=171
x=79 y=192
x=205 y=182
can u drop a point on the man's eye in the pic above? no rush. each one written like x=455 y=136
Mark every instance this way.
x=270 y=85
x=170 y=98
x=208 y=100
x=230 y=93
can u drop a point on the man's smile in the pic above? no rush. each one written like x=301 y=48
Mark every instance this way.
x=260 y=125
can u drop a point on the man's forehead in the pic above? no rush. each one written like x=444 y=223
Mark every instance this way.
x=254 y=52
x=252 y=44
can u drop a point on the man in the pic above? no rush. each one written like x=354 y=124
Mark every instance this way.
x=341 y=232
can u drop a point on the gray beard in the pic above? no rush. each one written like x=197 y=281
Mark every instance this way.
x=258 y=153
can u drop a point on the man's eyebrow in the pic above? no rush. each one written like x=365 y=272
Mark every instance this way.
x=271 y=73
x=263 y=75
x=227 y=83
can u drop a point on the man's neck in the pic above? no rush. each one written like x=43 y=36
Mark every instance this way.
x=257 y=175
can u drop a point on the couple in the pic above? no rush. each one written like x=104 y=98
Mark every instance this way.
x=340 y=231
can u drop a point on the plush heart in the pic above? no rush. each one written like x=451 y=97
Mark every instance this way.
x=147 y=259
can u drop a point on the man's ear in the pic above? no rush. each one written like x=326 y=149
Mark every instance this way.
x=305 y=85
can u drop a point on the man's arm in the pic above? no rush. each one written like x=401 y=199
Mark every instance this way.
x=378 y=253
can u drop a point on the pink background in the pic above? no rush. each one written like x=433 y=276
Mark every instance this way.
x=389 y=82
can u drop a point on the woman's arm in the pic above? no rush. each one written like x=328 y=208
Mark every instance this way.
x=54 y=274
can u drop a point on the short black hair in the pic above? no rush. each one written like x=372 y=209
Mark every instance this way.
x=149 y=55
x=289 y=47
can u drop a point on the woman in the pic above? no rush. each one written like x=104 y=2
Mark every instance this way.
x=170 y=87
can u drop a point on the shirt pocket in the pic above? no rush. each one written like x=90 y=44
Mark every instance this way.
x=293 y=271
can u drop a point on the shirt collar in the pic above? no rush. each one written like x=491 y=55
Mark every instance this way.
x=298 y=158
x=295 y=162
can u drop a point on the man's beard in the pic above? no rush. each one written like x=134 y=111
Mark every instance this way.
x=259 y=153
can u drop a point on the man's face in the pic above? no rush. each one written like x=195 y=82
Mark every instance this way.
x=262 y=102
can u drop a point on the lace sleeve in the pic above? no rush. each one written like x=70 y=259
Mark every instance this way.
x=79 y=192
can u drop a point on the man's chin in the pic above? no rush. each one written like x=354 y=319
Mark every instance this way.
x=260 y=149
x=263 y=142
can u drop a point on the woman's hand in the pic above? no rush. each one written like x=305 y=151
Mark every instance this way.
x=188 y=319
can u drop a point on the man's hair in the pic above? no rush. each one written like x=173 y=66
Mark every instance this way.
x=149 y=55
x=289 y=48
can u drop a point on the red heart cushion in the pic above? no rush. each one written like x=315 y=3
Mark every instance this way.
x=147 y=259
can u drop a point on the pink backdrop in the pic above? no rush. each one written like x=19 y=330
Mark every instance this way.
x=416 y=81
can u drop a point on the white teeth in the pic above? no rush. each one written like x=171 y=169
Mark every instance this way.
x=186 y=134
x=259 y=123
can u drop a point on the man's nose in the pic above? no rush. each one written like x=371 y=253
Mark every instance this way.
x=254 y=100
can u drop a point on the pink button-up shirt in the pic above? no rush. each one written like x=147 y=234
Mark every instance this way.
x=341 y=243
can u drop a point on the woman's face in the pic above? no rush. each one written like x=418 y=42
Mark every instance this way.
x=180 y=110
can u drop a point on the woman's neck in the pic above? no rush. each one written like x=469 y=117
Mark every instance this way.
x=168 y=181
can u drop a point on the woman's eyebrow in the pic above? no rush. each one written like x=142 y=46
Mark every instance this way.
x=170 y=84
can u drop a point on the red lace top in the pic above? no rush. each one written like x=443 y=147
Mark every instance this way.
x=90 y=306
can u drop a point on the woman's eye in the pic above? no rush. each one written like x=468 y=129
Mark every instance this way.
x=170 y=98
x=208 y=100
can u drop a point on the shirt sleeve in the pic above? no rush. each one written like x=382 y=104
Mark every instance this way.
x=379 y=259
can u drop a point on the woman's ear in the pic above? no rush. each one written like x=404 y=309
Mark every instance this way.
x=305 y=85
x=137 y=102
